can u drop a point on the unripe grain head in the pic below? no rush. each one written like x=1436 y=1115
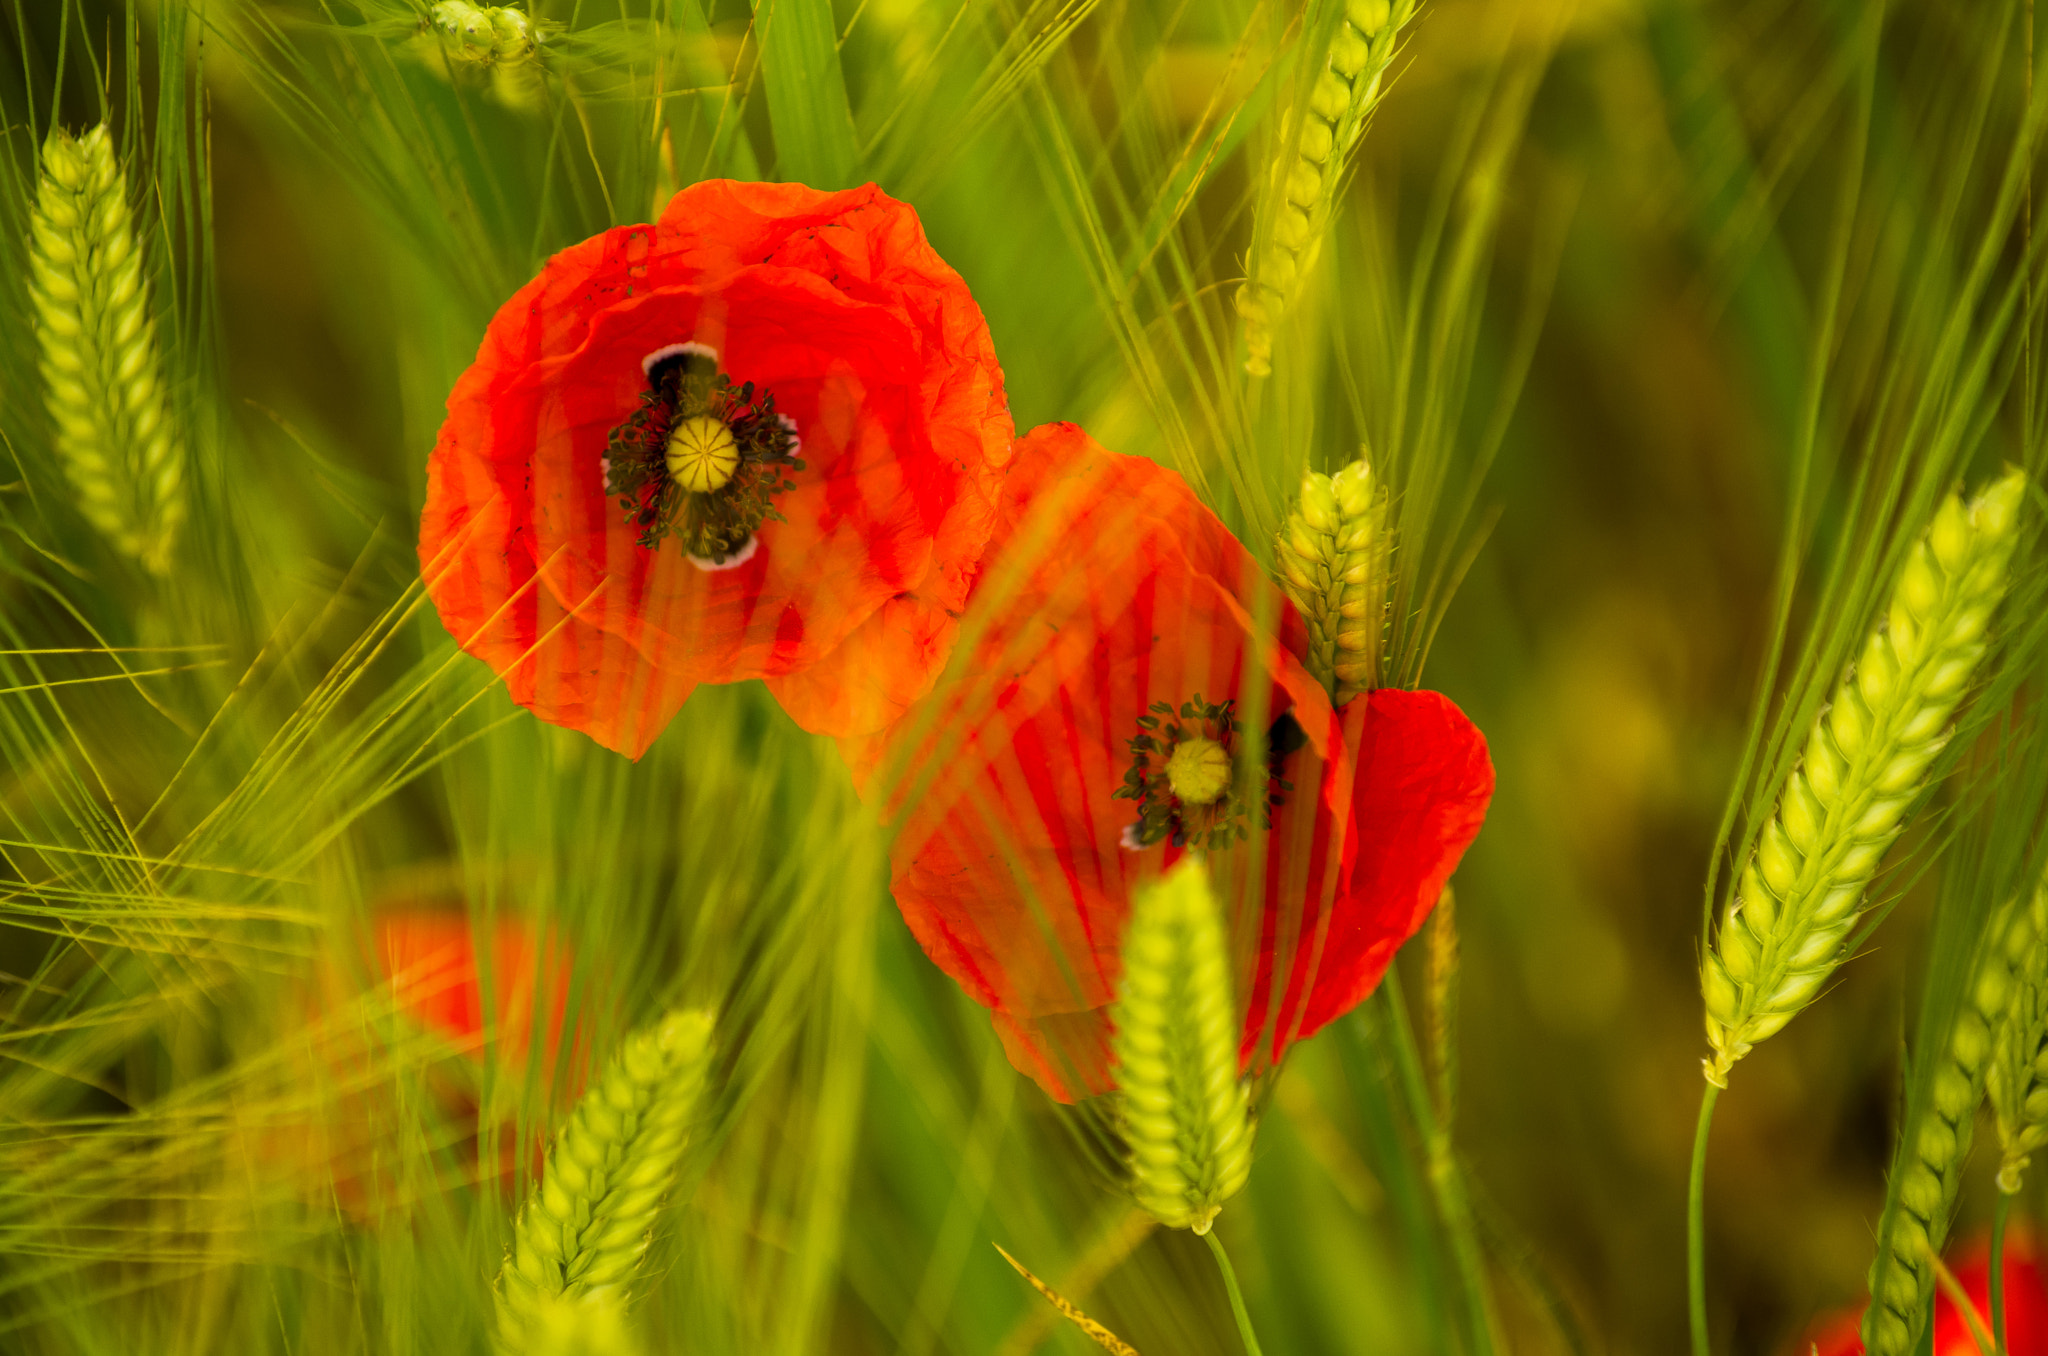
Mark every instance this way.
x=1864 y=763
x=586 y=1226
x=1929 y=1167
x=1314 y=150
x=96 y=339
x=1334 y=551
x=2017 y=1076
x=1175 y=1045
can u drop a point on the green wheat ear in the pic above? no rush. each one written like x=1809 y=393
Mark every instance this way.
x=590 y=1326
x=101 y=377
x=1865 y=761
x=1176 y=1054
x=1923 y=1188
x=1333 y=552
x=486 y=34
x=1317 y=143
x=2018 y=1077
x=587 y=1224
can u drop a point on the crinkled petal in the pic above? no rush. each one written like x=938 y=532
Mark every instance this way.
x=867 y=340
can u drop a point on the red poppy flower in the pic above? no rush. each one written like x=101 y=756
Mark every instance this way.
x=760 y=438
x=2026 y=1309
x=335 y=1123
x=429 y=958
x=1121 y=656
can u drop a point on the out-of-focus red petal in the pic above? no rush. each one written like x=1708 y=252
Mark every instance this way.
x=429 y=957
x=834 y=303
x=2026 y=1308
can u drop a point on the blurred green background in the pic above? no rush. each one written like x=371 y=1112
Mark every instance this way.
x=1666 y=175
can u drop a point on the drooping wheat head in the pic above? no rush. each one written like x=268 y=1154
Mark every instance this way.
x=1175 y=1046
x=1333 y=551
x=102 y=379
x=1316 y=145
x=1865 y=761
x=587 y=1224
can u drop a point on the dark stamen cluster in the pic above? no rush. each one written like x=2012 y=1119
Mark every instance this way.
x=1162 y=814
x=717 y=523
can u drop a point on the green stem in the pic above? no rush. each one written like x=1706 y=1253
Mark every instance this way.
x=1446 y=1180
x=1244 y=1319
x=1696 y=1226
x=1999 y=1211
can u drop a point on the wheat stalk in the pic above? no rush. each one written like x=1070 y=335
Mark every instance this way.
x=102 y=380
x=587 y=1224
x=1333 y=551
x=1865 y=761
x=1902 y=1276
x=2018 y=1077
x=1097 y=1333
x=1176 y=1054
x=1316 y=146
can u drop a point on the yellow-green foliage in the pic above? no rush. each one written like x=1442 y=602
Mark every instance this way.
x=1902 y=1275
x=587 y=1224
x=1315 y=148
x=1865 y=761
x=1333 y=553
x=97 y=341
x=1176 y=1054
x=2018 y=1077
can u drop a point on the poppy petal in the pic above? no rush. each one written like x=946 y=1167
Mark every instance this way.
x=1107 y=587
x=872 y=350
x=1422 y=780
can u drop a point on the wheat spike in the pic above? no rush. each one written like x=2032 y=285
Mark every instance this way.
x=1902 y=1277
x=2018 y=1077
x=102 y=380
x=1176 y=1054
x=1333 y=551
x=486 y=34
x=1865 y=761
x=1316 y=146
x=589 y=1326
x=587 y=1224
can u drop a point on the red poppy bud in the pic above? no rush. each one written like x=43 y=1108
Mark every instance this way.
x=760 y=438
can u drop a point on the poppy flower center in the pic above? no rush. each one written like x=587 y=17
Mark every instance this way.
x=701 y=460
x=701 y=454
x=1192 y=780
x=1198 y=772
x=1182 y=774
